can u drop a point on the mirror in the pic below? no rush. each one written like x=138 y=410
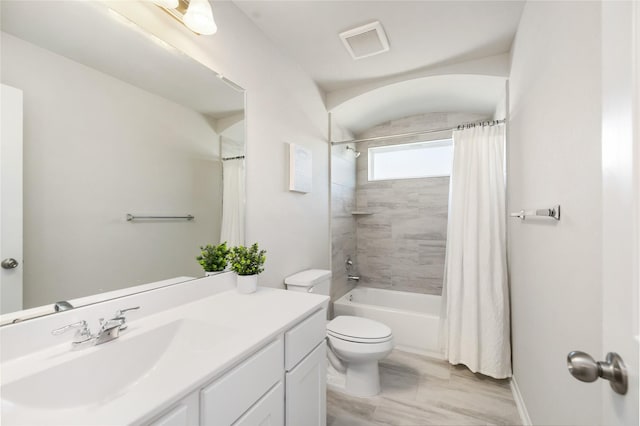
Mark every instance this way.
x=115 y=123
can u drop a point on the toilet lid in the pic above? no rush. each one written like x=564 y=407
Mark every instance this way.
x=363 y=329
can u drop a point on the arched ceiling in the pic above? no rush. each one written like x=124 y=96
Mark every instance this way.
x=447 y=93
x=422 y=34
x=445 y=56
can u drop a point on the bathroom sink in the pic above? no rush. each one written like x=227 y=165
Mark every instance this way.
x=99 y=374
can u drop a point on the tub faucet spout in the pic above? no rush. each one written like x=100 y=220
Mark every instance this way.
x=353 y=278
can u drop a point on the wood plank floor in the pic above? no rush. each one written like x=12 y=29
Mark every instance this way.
x=420 y=391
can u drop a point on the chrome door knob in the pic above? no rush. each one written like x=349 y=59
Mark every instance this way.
x=9 y=263
x=583 y=367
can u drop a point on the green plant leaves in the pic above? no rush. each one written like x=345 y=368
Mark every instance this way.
x=247 y=261
x=213 y=258
x=243 y=260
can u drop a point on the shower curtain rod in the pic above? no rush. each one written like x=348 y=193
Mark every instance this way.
x=424 y=132
x=239 y=157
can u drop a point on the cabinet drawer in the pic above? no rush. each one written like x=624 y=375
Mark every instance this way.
x=179 y=416
x=269 y=411
x=184 y=413
x=302 y=338
x=223 y=401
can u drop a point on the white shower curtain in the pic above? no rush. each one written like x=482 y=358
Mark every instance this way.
x=475 y=318
x=232 y=228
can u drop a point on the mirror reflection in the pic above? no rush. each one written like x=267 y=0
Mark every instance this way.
x=115 y=123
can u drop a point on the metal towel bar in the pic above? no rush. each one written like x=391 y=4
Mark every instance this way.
x=131 y=217
x=553 y=212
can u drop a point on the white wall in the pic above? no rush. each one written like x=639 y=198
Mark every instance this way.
x=96 y=148
x=283 y=106
x=554 y=157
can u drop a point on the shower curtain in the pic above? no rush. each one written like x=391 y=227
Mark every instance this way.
x=232 y=227
x=475 y=315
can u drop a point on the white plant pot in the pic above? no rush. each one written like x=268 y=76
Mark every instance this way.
x=247 y=283
x=209 y=273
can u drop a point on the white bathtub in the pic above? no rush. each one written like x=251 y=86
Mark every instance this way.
x=413 y=318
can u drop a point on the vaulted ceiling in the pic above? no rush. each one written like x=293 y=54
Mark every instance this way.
x=427 y=39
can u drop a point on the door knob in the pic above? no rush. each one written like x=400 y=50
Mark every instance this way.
x=583 y=367
x=9 y=263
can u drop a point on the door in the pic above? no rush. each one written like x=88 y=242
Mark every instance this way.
x=621 y=201
x=11 y=200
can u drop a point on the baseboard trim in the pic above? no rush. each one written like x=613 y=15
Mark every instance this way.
x=522 y=409
x=429 y=354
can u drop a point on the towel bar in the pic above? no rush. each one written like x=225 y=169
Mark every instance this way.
x=553 y=212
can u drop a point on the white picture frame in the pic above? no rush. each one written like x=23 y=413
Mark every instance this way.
x=300 y=169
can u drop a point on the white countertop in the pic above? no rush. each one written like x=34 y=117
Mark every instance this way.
x=222 y=330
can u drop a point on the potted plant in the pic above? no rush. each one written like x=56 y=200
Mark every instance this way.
x=247 y=263
x=213 y=258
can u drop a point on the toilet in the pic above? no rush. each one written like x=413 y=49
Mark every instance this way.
x=355 y=344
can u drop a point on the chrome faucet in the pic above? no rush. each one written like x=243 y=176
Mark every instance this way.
x=109 y=330
x=349 y=265
x=62 y=305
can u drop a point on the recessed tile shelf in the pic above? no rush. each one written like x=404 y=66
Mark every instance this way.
x=361 y=213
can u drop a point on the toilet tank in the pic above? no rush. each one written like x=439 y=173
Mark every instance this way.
x=316 y=281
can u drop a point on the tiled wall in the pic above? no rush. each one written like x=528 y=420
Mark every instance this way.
x=343 y=224
x=401 y=245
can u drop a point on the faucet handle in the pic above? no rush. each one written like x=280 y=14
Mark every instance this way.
x=83 y=333
x=80 y=324
x=121 y=312
x=120 y=315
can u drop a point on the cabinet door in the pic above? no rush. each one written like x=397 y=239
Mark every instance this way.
x=306 y=384
x=223 y=401
x=184 y=413
x=268 y=411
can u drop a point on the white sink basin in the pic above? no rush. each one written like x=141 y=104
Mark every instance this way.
x=99 y=374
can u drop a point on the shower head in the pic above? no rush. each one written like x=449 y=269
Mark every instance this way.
x=356 y=153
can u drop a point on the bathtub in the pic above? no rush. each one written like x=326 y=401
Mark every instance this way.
x=414 y=318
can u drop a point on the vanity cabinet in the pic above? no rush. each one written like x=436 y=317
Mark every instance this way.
x=269 y=411
x=221 y=360
x=226 y=399
x=284 y=382
x=306 y=372
x=306 y=389
x=184 y=413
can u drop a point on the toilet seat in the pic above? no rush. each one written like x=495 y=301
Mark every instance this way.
x=358 y=330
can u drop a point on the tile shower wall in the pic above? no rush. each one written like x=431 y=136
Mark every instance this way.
x=401 y=244
x=343 y=224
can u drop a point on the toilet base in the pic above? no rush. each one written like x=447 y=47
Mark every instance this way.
x=363 y=379
x=336 y=380
x=361 y=382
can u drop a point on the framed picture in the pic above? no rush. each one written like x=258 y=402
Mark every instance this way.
x=300 y=168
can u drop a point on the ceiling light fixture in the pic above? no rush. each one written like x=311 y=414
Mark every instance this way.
x=169 y=4
x=194 y=14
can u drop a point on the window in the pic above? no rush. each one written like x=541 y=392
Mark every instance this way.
x=412 y=160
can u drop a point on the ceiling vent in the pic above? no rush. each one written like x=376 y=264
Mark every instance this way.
x=364 y=41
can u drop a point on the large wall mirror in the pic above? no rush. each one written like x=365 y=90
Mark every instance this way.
x=115 y=123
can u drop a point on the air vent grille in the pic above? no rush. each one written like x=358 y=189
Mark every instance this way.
x=365 y=41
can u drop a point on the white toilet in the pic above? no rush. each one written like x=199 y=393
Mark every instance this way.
x=355 y=344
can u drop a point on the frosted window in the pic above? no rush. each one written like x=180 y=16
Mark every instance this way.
x=413 y=160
